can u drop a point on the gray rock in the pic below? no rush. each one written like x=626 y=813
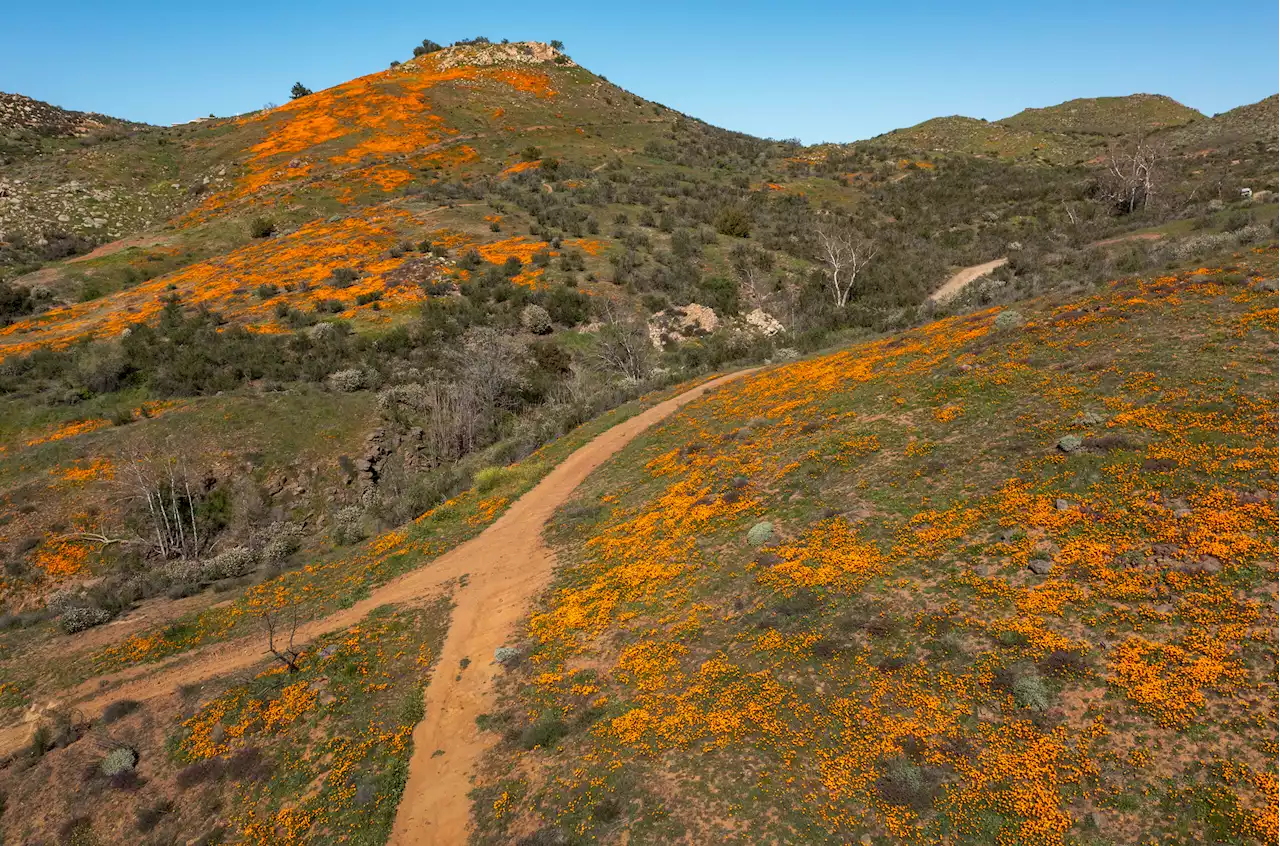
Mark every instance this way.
x=1070 y=443
x=1062 y=505
x=1211 y=565
x=1040 y=566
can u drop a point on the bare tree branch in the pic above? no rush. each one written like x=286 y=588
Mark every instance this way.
x=845 y=254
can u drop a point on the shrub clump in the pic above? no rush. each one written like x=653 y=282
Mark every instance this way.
x=489 y=478
x=121 y=760
x=348 y=381
x=536 y=319
x=544 y=733
x=78 y=619
x=283 y=540
x=262 y=227
x=760 y=534
x=1009 y=319
x=1030 y=691
x=233 y=563
x=348 y=525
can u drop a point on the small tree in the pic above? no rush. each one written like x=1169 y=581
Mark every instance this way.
x=286 y=654
x=844 y=253
x=298 y=90
x=734 y=222
x=753 y=267
x=622 y=346
x=557 y=44
x=1129 y=179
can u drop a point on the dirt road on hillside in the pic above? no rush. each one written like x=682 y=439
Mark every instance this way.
x=505 y=574
x=953 y=286
x=505 y=567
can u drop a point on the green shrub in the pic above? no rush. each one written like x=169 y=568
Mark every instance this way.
x=489 y=478
x=343 y=277
x=544 y=733
x=122 y=759
x=1030 y=691
x=734 y=222
x=262 y=227
x=760 y=534
x=1009 y=319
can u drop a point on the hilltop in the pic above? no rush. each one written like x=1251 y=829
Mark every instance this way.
x=20 y=115
x=1111 y=116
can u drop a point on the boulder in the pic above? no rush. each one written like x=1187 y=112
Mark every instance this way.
x=1040 y=566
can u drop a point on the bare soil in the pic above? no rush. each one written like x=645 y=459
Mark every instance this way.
x=497 y=574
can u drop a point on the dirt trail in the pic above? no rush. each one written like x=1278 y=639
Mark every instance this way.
x=953 y=286
x=505 y=574
x=1133 y=236
x=505 y=566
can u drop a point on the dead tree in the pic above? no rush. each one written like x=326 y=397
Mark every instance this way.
x=287 y=655
x=1130 y=177
x=845 y=254
x=622 y=346
x=753 y=267
x=170 y=503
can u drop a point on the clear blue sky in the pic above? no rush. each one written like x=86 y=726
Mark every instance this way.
x=819 y=71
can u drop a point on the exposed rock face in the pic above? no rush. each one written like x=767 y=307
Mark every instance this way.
x=763 y=322
x=19 y=112
x=480 y=55
x=681 y=323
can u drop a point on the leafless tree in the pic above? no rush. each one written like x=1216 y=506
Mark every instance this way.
x=754 y=268
x=845 y=253
x=164 y=485
x=1130 y=176
x=288 y=654
x=622 y=345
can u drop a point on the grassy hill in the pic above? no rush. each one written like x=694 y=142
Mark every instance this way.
x=1004 y=578
x=274 y=361
x=1109 y=116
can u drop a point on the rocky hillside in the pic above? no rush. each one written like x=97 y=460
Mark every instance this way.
x=21 y=115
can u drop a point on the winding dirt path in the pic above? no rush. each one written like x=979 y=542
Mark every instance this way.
x=506 y=570
x=953 y=286
x=497 y=574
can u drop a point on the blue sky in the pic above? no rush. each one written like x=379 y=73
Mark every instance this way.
x=819 y=71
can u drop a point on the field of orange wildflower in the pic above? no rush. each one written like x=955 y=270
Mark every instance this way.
x=1016 y=588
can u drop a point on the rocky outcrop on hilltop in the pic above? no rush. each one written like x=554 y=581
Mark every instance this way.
x=18 y=112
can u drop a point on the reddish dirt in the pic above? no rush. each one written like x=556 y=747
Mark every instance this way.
x=953 y=286
x=505 y=567
x=122 y=244
x=1137 y=236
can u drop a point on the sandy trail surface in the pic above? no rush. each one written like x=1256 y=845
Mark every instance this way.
x=953 y=286
x=506 y=568
x=495 y=575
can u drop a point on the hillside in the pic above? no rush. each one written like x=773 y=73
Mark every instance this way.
x=1109 y=116
x=1241 y=125
x=1004 y=578
x=287 y=399
x=22 y=116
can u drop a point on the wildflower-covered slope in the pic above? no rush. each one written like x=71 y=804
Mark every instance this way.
x=336 y=173
x=1008 y=578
